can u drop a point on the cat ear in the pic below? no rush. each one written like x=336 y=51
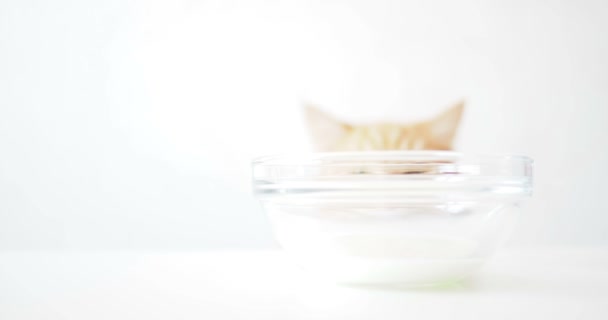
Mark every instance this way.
x=443 y=127
x=324 y=130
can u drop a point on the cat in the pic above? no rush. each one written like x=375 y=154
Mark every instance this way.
x=331 y=135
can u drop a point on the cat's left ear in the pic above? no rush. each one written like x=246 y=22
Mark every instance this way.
x=324 y=129
x=444 y=127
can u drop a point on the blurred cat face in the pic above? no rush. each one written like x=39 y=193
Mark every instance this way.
x=329 y=134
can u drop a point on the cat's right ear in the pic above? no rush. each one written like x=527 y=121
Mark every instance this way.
x=325 y=131
x=444 y=126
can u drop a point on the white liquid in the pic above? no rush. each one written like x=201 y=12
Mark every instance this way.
x=387 y=259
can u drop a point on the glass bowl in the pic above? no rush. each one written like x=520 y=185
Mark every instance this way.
x=412 y=218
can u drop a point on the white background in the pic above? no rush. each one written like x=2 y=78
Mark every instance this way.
x=130 y=124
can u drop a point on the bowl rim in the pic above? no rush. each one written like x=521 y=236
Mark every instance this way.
x=305 y=159
x=401 y=175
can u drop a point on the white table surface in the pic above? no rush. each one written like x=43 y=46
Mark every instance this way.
x=566 y=283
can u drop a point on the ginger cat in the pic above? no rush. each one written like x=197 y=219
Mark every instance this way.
x=329 y=134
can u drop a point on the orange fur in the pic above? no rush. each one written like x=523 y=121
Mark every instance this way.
x=329 y=134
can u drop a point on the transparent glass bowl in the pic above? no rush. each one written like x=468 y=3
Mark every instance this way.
x=404 y=217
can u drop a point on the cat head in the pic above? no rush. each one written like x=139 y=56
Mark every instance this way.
x=329 y=134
